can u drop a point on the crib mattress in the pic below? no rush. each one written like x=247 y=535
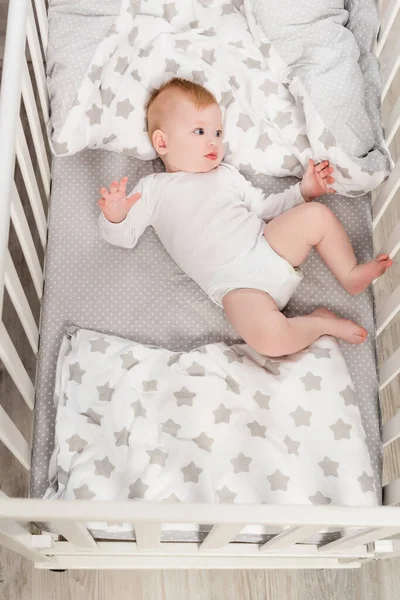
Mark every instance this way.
x=141 y=294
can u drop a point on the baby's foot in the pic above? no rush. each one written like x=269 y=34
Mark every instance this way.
x=344 y=329
x=362 y=275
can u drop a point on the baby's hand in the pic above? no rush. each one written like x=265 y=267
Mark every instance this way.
x=316 y=180
x=114 y=203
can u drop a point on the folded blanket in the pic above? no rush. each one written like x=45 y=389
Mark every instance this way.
x=218 y=424
x=271 y=96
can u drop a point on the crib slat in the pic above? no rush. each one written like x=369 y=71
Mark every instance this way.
x=148 y=536
x=76 y=533
x=31 y=185
x=21 y=304
x=388 y=310
x=386 y=194
x=387 y=18
x=35 y=129
x=392 y=244
x=25 y=239
x=220 y=536
x=359 y=537
x=12 y=362
x=37 y=62
x=393 y=122
x=41 y=14
x=389 y=369
x=390 y=69
x=391 y=493
x=291 y=535
x=11 y=437
x=391 y=430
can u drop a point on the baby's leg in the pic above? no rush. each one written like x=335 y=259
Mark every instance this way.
x=258 y=321
x=295 y=232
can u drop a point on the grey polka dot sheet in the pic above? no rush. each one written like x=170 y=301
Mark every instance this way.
x=142 y=295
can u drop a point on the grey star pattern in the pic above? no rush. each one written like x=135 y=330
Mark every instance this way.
x=227 y=9
x=122 y=65
x=145 y=53
x=209 y=32
x=269 y=87
x=301 y=417
x=244 y=122
x=184 y=397
x=262 y=400
x=321 y=352
x=311 y=382
x=62 y=476
x=367 y=482
x=349 y=396
x=291 y=445
x=60 y=147
x=128 y=360
x=94 y=115
x=136 y=76
x=237 y=3
x=341 y=430
x=208 y=56
x=226 y=98
x=319 y=498
x=282 y=119
x=225 y=495
x=246 y=169
x=238 y=45
x=76 y=373
x=191 y=473
x=199 y=77
x=107 y=96
x=263 y=142
x=104 y=468
x=171 y=498
x=122 y=437
x=174 y=358
x=290 y=162
x=95 y=73
x=133 y=35
x=194 y=24
x=157 y=457
x=124 y=108
x=139 y=409
x=251 y=63
x=83 y=493
x=257 y=430
x=222 y=414
x=265 y=49
x=278 y=481
x=150 y=386
x=171 y=427
x=93 y=417
x=233 y=356
x=137 y=489
x=227 y=149
x=112 y=30
x=170 y=11
x=76 y=443
x=241 y=464
x=99 y=345
x=329 y=467
x=232 y=385
x=171 y=66
x=233 y=82
x=327 y=139
x=110 y=138
x=196 y=370
x=272 y=367
x=204 y=442
x=206 y=3
x=105 y=392
x=182 y=45
x=301 y=142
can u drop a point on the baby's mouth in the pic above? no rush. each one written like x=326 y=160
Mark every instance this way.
x=212 y=155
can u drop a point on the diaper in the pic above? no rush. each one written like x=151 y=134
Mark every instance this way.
x=259 y=268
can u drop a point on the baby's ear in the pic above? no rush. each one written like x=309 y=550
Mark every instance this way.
x=159 y=140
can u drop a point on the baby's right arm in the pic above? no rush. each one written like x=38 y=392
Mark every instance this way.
x=123 y=219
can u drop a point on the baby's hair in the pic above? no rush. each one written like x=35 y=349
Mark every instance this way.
x=199 y=95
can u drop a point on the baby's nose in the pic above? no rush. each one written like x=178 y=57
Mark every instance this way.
x=211 y=142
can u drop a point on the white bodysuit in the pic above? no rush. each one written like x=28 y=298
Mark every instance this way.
x=212 y=226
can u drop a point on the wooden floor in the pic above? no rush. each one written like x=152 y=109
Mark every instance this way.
x=18 y=581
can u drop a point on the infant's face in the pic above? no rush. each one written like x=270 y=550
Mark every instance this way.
x=194 y=137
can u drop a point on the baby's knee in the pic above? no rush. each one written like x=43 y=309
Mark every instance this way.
x=270 y=338
x=317 y=212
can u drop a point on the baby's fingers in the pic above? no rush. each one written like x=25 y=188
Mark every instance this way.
x=122 y=185
x=132 y=199
x=104 y=192
x=322 y=165
x=330 y=191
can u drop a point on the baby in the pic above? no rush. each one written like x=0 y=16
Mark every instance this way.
x=241 y=247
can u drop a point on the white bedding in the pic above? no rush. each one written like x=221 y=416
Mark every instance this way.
x=218 y=424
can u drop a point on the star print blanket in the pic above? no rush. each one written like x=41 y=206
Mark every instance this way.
x=218 y=424
x=291 y=79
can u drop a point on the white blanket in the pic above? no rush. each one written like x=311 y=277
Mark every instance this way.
x=270 y=122
x=218 y=424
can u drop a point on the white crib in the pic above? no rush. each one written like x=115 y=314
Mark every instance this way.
x=371 y=528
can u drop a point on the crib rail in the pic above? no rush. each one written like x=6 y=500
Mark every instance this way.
x=365 y=531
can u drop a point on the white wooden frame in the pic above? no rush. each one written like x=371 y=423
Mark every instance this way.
x=366 y=530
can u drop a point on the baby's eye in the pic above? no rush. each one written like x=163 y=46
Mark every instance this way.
x=218 y=133
x=199 y=131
